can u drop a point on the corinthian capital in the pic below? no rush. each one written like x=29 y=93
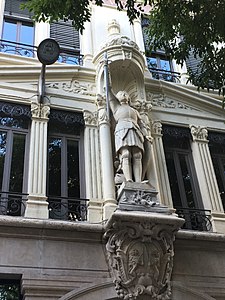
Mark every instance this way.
x=199 y=133
x=40 y=111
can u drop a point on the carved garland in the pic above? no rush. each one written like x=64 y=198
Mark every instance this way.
x=140 y=256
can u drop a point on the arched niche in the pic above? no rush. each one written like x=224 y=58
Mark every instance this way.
x=126 y=66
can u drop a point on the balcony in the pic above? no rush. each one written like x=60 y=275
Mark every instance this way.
x=195 y=219
x=69 y=209
x=66 y=56
x=12 y=204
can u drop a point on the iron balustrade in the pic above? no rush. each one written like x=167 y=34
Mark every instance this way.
x=12 y=204
x=66 y=56
x=165 y=75
x=69 y=209
x=195 y=219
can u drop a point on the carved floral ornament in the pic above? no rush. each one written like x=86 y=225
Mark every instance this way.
x=74 y=87
x=90 y=118
x=199 y=133
x=140 y=256
x=160 y=100
x=40 y=111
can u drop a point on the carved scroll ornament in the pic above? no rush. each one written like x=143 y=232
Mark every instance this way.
x=140 y=256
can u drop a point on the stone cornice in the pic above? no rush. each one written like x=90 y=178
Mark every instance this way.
x=18 y=227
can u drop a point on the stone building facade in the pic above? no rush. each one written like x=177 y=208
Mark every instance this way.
x=68 y=229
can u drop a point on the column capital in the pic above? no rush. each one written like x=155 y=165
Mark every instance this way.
x=102 y=114
x=40 y=111
x=199 y=133
x=90 y=118
x=156 y=128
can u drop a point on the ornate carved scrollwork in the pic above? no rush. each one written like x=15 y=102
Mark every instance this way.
x=199 y=133
x=140 y=256
x=90 y=118
x=40 y=111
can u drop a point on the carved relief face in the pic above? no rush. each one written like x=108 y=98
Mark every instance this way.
x=123 y=97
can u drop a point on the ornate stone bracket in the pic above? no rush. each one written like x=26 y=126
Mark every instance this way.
x=140 y=254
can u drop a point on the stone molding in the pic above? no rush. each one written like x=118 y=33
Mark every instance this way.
x=121 y=41
x=140 y=254
x=74 y=87
x=199 y=133
x=160 y=100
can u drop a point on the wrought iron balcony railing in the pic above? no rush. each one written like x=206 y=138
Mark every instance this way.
x=69 y=209
x=12 y=204
x=195 y=219
x=165 y=75
x=66 y=56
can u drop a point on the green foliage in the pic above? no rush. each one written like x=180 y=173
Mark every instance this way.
x=177 y=26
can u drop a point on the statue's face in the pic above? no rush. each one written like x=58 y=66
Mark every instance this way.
x=123 y=97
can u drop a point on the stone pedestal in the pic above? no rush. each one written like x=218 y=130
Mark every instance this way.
x=133 y=196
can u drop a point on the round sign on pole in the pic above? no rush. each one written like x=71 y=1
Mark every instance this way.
x=48 y=51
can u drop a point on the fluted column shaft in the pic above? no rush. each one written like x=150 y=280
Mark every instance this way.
x=37 y=206
x=92 y=169
x=204 y=169
x=160 y=162
x=108 y=185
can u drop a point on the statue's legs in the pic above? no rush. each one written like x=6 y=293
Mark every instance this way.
x=126 y=163
x=137 y=164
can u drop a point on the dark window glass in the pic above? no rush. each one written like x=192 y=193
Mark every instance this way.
x=17 y=163
x=180 y=166
x=73 y=179
x=3 y=137
x=54 y=167
x=13 y=137
x=10 y=290
x=217 y=151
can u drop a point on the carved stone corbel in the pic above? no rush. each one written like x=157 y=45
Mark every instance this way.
x=140 y=254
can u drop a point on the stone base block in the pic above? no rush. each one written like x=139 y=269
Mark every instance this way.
x=37 y=207
x=133 y=196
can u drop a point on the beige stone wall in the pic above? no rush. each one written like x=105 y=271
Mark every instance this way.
x=66 y=261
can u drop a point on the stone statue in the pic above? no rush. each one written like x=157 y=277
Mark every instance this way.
x=129 y=136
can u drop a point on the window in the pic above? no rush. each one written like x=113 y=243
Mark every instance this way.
x=159 y=64
x=14 y=122
x=182 y=177
x=10 y=289
x=160 y=67
x=18 y=30
x=65 y=166
x=217 y=151
x=68 y=38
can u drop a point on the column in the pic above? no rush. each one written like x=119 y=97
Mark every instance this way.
x=37 y=206
x=92 y=167
x=206 y=176
x=108 y=186
x=42 y=31
x=138 y=34
x=86 y=45
x=160 y=162
x=2 y=8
